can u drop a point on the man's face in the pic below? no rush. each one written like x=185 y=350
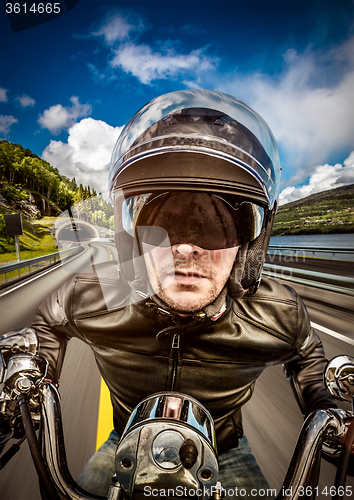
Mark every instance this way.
x=193 y=278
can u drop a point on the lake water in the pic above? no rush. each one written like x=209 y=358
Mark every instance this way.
x=345 y=241
x=319 y=240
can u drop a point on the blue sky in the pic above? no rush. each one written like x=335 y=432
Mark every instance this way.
x=68 y=86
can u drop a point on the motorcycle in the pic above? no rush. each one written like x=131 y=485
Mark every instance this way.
x=168 y=448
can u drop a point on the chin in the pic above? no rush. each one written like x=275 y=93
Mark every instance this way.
x=185 y=304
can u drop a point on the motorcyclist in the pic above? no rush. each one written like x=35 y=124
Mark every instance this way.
x=194 y=179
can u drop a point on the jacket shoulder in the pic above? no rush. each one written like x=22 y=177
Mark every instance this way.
x=100 y=290
x=273 y=290
x=277 y=309
x=90 y=291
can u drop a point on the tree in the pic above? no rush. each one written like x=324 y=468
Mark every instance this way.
x=29 y=171
x=98 y=218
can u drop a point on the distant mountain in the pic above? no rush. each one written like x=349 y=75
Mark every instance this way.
x=329 y=211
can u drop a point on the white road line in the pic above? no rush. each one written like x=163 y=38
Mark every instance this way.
x=332 y=333
x=54 y=267
x=25 y=282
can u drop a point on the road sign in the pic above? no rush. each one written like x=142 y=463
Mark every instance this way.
x=13 y=224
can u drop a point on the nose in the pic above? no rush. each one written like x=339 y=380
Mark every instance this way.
x=188 y=250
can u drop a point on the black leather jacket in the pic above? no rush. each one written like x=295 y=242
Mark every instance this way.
x=141 y=349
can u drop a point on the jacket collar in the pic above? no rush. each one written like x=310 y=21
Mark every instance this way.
x=212 y=311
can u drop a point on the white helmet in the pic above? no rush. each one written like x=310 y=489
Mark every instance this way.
x=211 y=148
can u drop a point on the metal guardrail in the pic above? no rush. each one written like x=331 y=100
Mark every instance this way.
x=339 y=284
x=37 y=262
x=332 y=282
x=280 y=249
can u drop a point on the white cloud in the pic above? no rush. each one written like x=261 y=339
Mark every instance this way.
x=116 y=28
x=5 y=123
x=87 y=153
x=146 y=65
x=3 y=96
x=97 y=74
x=58 y=117
x=25 y=101
x=120 y=33
x=309 y=105
x=324 y=177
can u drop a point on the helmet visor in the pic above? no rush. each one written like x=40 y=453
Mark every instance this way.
x=209 y=221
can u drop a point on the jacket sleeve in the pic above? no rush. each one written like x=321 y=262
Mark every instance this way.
x=53 y=328
x=305 y=370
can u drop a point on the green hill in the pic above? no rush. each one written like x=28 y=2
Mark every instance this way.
x=329 y=211
x=26 y=176
x=32 y=187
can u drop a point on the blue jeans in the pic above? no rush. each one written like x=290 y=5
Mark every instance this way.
x=238 y=469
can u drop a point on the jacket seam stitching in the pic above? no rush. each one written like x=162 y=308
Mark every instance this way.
x=72 y=317
x=229 y=362
x=144 y=353
x=297 y=323
x=272 y=299
x=72 y=300
x=268 y=330
x=96 y=313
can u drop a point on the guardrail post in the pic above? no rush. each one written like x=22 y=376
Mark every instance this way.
x=57 y=256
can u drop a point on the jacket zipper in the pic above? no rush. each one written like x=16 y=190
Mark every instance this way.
x=175 y=349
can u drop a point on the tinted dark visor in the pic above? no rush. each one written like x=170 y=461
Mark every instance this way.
x=208 y=221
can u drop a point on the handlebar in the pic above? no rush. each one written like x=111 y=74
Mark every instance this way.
x=54 y=448
x=303 y=469
x=323 y=430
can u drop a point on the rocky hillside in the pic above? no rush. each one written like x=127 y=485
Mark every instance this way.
x=329 y=211
x=30 y=205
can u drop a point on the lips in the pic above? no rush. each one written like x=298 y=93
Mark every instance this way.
x=189 y=273
x=189 y=277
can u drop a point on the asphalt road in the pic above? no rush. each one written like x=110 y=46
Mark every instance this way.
x=272 y=419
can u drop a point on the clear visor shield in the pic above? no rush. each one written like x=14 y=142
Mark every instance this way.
x=209 y=221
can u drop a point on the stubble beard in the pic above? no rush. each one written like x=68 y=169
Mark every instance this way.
x=193 y=304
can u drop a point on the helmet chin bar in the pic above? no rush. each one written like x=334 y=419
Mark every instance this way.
x=168 y=444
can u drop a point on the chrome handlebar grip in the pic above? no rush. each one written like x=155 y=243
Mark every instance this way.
x=304 y=466
x=22 y=375
x=339 y=377
x=22 y=341
x=54 y=448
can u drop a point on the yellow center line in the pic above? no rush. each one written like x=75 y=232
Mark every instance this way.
x=107 y=248
x=105 y=410
x=105 y=415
